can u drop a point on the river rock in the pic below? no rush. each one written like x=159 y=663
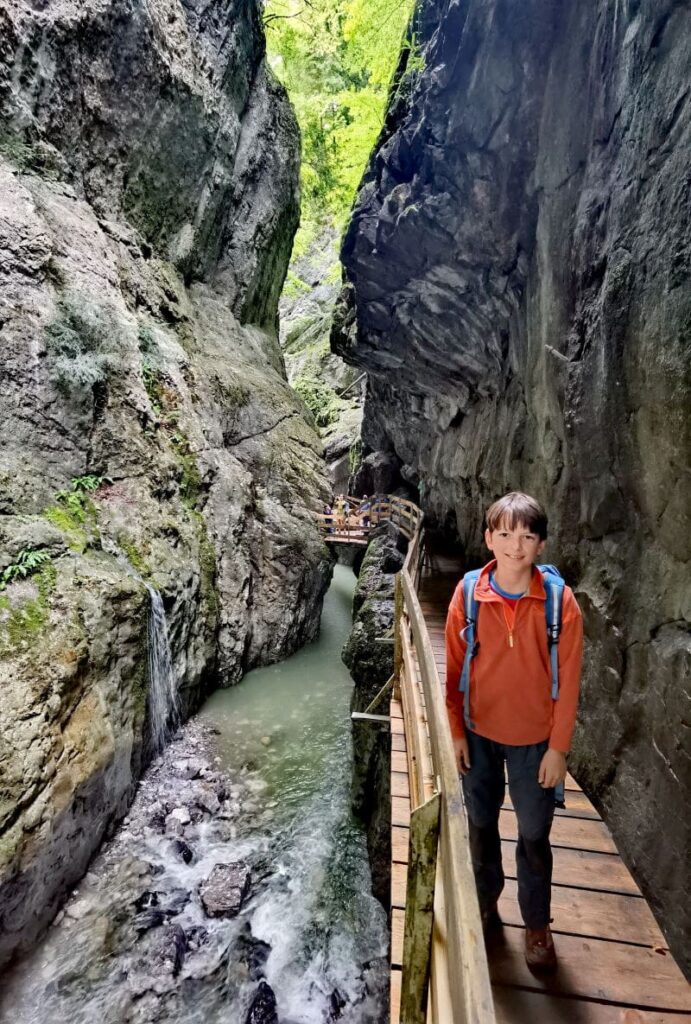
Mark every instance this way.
x=225 y=890
x=148 y=201
x=182 y=850
x=263 y=1007
x=517 y=287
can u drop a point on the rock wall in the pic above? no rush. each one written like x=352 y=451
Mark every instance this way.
x=371 y=665
x=331 y=388
x=148 y=199
x=517 y=286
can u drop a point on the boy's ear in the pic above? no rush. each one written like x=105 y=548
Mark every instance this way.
x=541 y=547
x=488 y=539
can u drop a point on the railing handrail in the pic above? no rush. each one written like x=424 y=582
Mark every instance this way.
x=467 y=981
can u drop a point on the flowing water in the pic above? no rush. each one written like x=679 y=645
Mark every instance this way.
x=163 y=708
x=260 y=778
x=164 y=713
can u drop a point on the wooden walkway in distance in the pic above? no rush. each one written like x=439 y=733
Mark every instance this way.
x=614 y=964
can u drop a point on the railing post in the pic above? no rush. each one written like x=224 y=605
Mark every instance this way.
x=398 y=642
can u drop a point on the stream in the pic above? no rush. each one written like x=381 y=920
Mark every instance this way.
x=285 y=931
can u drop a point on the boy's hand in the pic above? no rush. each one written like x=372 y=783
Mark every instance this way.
x=552 y=769
x=460 y=749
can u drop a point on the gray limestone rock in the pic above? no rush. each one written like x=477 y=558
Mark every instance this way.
x=225 y=890
x=148 y=436
x=517 y=287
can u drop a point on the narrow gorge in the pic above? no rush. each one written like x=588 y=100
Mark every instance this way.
x=259 y=260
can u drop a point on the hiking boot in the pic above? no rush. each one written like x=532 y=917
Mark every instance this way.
x=491 y=921
x=540 y=954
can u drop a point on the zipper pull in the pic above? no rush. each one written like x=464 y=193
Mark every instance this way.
x=510 y=639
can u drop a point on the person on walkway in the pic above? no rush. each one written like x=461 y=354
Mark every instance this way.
x=364 y=511
x=328 y=513
x=509 y=716
x=340 y=514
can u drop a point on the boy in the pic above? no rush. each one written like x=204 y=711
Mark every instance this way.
x=512 y=717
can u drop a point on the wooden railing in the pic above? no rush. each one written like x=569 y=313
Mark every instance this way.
x=403 y=513
x=445 y=978
x=445 y=974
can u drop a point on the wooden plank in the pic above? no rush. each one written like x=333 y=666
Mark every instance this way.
x=397 y=726
x=400 y=811
x=398 y=741
x=407 y=690
x=399 y=844
x=575 y=833
x=395 y=997
x=395 y=709
x=577 y=806
x=397 y=930
x=399 y=883
x=417 y=937
x=518 y=1006
x=583 y=912
x=440 y=1004
x=632 y=976
x=399 y=761
x=400 y=785
x=581 y=869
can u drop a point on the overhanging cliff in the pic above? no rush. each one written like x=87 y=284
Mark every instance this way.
x=517 y=286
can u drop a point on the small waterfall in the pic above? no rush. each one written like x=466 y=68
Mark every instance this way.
x=164 y=711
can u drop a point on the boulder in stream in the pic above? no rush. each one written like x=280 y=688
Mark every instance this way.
x=263 y=1007
x=225 y=890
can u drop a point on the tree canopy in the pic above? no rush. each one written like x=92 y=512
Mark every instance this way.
x=336 y=59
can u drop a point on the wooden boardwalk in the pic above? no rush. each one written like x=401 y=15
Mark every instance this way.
x=614 y=964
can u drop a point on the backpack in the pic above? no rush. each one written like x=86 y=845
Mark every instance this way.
x=554 y=587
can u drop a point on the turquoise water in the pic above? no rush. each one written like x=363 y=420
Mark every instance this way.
x=282 y=746
x=287 y=730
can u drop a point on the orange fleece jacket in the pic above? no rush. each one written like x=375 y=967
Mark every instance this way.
x=510 y=679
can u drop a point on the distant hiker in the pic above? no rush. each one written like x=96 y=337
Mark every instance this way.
x=328 y=512
x=514 y=642
x=339 y=509
x=365 y=507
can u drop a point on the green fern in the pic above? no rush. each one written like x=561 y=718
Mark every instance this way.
x=27 y=563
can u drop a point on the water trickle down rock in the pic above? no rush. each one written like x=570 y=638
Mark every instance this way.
x=164 y=710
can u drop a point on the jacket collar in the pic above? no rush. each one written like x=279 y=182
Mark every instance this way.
x=484 y=592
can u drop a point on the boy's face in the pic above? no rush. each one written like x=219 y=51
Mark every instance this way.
x=514 y=549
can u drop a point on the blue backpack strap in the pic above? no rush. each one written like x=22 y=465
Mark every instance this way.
x=469 y=634
x=554 y=588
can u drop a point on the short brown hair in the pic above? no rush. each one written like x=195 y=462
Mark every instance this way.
x=517 y=509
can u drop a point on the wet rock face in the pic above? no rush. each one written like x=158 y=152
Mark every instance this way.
x=371 y=664
x=517 y=271
x=148 y=198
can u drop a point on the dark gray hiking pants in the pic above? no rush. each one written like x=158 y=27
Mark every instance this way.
x=483 y=788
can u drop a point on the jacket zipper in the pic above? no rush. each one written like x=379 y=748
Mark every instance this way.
x=506 y=620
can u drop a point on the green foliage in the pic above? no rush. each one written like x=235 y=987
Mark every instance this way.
x=336 y=58
x=82 y=342
x=21 y=623
x=134 y=556
x=74 y=513
x=28 y=561
x=355 y=456
x=321 y=400
x=295 y=286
